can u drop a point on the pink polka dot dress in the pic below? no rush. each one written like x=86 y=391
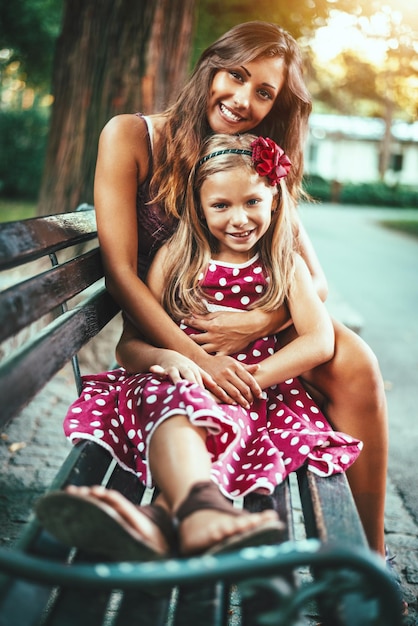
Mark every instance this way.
x=251 y=450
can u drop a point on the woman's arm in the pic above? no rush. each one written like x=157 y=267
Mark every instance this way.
x=314 y=343
x=227 y=332
x=122 y=164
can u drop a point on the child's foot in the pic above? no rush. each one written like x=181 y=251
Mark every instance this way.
x=209 y=524
x=104 y=522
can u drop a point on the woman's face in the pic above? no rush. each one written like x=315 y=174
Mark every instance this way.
x=241 y=97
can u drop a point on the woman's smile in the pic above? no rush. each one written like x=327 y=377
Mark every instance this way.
x=241 y=97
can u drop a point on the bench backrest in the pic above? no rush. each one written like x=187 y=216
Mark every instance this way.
x=46 y=318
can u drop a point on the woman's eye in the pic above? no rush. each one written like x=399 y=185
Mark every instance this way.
x=236 y=75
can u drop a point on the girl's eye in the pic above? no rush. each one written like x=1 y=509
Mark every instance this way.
x=266 y=95
x=219 y=205
x=253 y=201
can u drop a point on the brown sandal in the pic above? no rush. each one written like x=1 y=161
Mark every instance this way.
x=206 y=495
x=94 y=526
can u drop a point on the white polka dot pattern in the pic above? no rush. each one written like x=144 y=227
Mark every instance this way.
x=250 y=450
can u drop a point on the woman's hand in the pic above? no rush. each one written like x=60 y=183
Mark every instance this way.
x=227 y=332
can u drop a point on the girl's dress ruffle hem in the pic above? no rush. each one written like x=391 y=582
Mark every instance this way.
x=251 y=450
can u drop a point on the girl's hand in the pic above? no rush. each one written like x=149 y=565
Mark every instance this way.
x=229 y=381
x=226 y=332
x=178 y=367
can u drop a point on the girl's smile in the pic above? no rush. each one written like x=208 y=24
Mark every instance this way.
x=238 y=214
x=241 y=97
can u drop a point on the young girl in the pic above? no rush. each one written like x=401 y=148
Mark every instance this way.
x=233 y=249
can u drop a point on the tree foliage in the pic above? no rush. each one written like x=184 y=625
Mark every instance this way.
x=114 y=56
x=299 y=17
x=29 y=28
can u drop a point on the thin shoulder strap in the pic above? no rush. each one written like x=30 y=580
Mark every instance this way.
x=150 y=132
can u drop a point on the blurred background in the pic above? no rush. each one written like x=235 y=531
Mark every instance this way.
x=67 y=66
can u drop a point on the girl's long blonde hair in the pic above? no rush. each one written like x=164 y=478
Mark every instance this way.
x=186 y=125
x=191 y=246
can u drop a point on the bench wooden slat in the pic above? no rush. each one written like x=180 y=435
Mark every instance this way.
x=30 y=300
x=330 y=514
x=203 y=605
x=27 y=240
x=329 y=509
x=66 y=608
x=36 y=362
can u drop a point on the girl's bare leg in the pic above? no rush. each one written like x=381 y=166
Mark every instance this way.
x=179 y=459
x=356 y=404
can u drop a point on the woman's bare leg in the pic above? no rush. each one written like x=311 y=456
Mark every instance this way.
x=356 y=404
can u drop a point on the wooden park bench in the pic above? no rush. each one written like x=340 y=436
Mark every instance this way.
x=328 y=575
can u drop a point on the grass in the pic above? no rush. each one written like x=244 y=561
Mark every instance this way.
x=11 y=210
x=409 y=226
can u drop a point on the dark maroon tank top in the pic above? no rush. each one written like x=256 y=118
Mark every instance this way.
x=154 y=226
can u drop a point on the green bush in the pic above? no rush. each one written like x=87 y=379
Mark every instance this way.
x=371 y=194
x=23 y=136
x=379 y=194
x=318 y=188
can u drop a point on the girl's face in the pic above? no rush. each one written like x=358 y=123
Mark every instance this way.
x=237 y=208
x=241 y=97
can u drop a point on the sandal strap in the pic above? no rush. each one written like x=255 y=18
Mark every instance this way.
x=204 y=495
x=161 y=518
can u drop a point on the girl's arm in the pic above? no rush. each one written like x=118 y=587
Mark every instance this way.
x=228 y=332
x=147 y=357
x=314 y=343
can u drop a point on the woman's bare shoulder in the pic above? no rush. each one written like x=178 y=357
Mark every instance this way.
x=124 y=141
x=125 y=127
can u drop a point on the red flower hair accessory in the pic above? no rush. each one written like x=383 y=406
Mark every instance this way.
x=270 y=160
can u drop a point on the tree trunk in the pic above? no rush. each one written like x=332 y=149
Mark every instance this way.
x=113 y=56
x=168 y=53
x=386 y=146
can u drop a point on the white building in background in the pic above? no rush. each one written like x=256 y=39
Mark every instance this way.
x=347 y=149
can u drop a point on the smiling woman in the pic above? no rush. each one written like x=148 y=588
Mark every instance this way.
x=143 y=170
x=233 y=90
